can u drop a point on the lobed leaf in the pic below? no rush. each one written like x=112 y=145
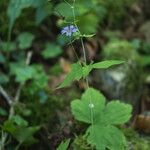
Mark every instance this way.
x=102 y=133
x=116 y=113
x=91 y=103
x=103 y=137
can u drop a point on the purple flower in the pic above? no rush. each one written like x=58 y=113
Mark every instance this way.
x=69 y=30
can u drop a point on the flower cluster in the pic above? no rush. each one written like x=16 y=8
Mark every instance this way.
x=69 y=30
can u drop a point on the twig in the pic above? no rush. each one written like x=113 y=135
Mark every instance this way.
x=17 y=96
x=6 y=95
x=14 y=101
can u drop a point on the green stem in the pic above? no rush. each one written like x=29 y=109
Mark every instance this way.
x=74 y=50
x=85 y=61
x=83 y=49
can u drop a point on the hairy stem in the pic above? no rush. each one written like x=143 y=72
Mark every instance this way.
x=85 y=63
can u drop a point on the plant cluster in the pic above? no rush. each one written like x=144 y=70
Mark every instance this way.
x=22 y=78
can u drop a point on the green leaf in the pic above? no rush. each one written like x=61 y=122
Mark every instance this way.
x=64 y=145
x=82 y=7
x=25 y=134
x=40 y=76
x=103 y=137
x=74 y=74
x=116 y=113
x=23 y=73
x=79 y=71
x=51 y=51
x=106 y=64
x=42 y=12
x=15 y=7
x=21 y=133
x=91 y=99
x=7 y=47
x=25 y=40
x=62 y=9
x=19 y=120
x=101 y=133
x=88 y=23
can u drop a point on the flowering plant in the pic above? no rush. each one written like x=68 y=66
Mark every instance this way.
x=91 y=109
x=69 y=30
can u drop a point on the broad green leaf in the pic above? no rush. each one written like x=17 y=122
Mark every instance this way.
x=106 y=64
x=9 y=126
x=19 y=120
x=79 y=71
x=64 y=145
x=62 y=9
x=25 y=134
x=25 y=40
x=82 y=7
x=101 y=133
x=39 y=76
x=51 y=51
x=22 y=72
x=15 y=7
x=42 y=12
x=91 y=104
x=88 y=23
x=74 y=74
x=116 y=113
x=21 y=133
x=103 y=137
x=7 y=47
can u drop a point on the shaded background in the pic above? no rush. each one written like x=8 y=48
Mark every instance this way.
x=121 y=29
